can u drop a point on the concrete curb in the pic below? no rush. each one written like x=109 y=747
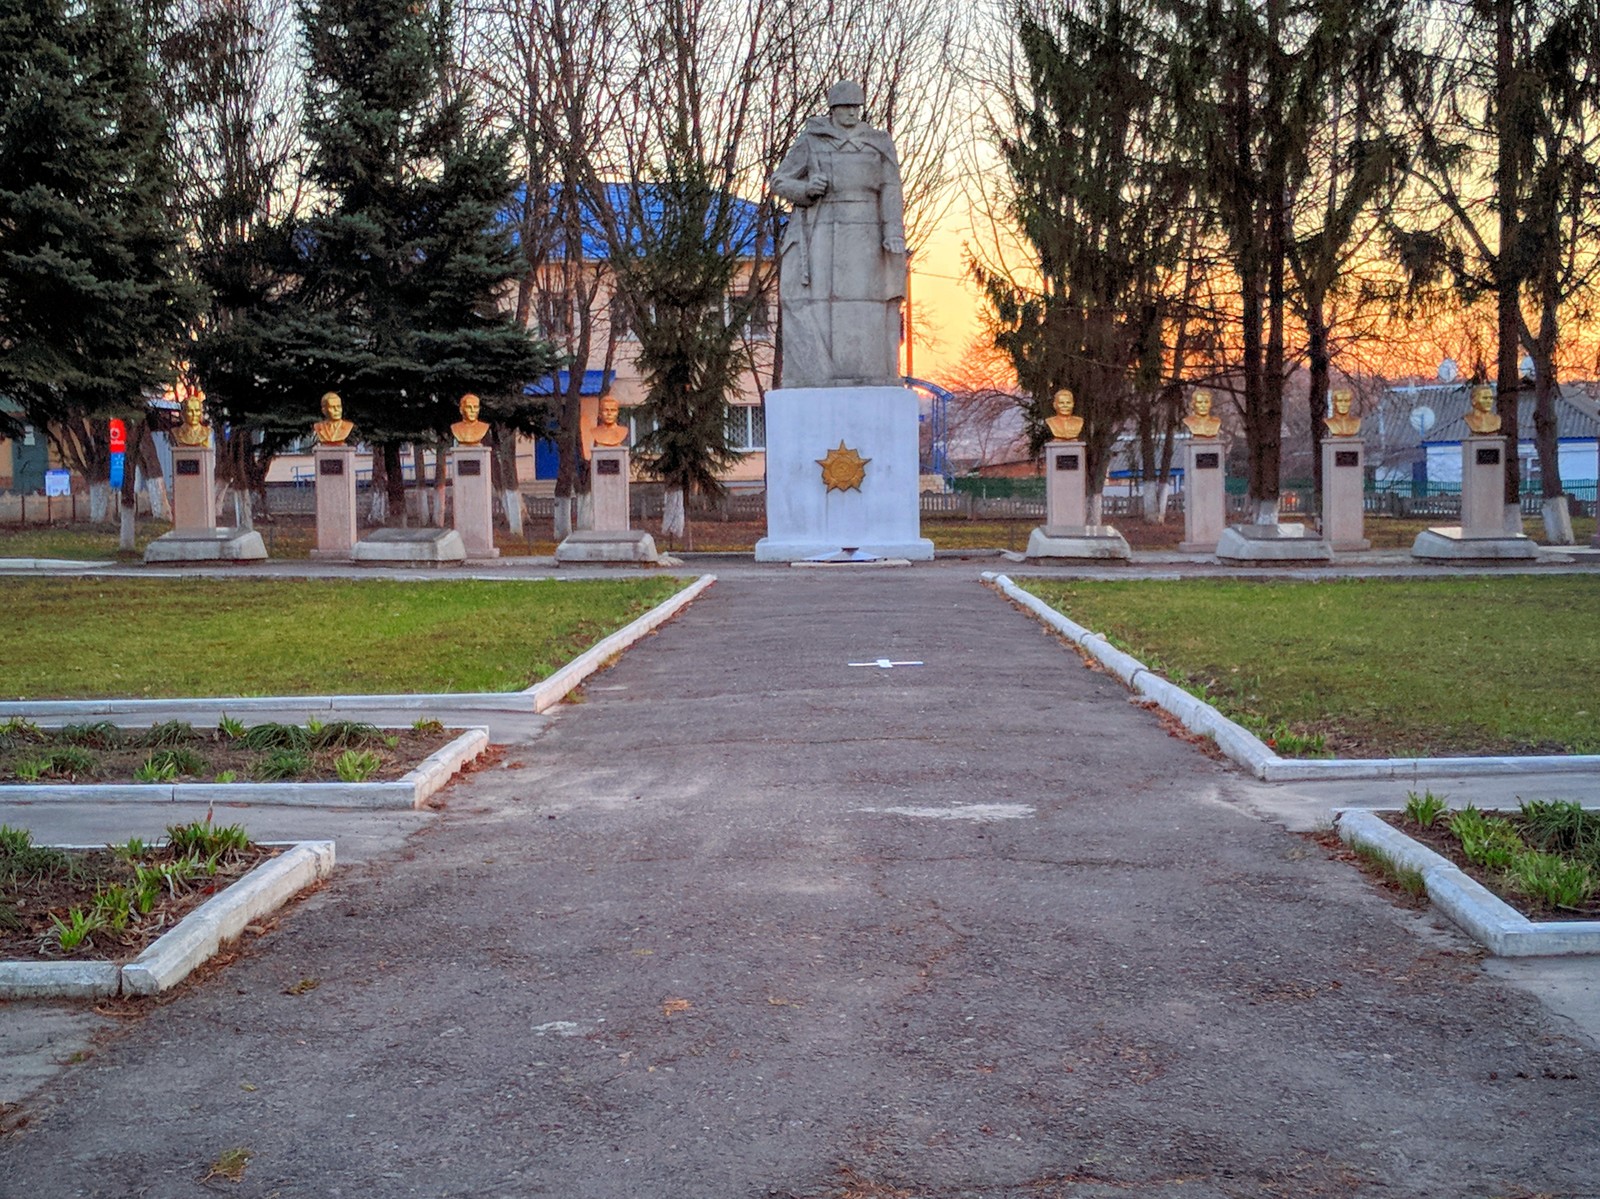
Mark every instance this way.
x=171 y=958
x=541 y=695
x=1481 y=914
x=1245 y=748
x=554 y=689
x=409 y=791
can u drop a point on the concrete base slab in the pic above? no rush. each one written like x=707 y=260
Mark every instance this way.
x=768 y=550
x=437 y=547
x=1197 y=547
x=1272 y=543
x=226 y=544
x=1078 y=541
x=1350 y=547
x=594 y=545
x=1448 y=543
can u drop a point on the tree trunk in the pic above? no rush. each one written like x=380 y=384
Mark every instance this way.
x=394 y=479
x=1507 y=271
x=672 y=521
x=99 y=502
x=419 y=486
x=503 y=464
x=378 y=489
x=441 y=480
x=1320 y=365
x=130 y=488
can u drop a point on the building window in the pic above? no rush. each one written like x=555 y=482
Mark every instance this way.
x=747 y=427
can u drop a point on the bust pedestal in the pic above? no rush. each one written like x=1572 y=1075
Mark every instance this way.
x=1481 y=533
x=1205 y=512
x=335 y=482
x=195 y=535
x=610 y=539
x=1066 y=533
x=473 y=499
x=1343 y=485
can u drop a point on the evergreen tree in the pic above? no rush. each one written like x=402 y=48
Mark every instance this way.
x=1093 y=196
x=389 y=293
x=690 y=235
x=92 y=302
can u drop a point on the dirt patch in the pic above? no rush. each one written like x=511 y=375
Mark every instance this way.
x=35 y=895
x=103 y=753
x=1443 y=842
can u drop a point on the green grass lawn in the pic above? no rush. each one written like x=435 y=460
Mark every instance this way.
x=1377 y=668
x=283 y=538
x=77 y=638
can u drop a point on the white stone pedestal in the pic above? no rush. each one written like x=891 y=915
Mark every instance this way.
x=610 y=537
x=1066 y=490
x=1205 y=504
x=473 y=499
x=335 y=481
x=195 y=535
x=805 y=518
x=1343 y=486
x=1066 y=506
x=1481 y=534
x=1271 y=543
x=194 y=489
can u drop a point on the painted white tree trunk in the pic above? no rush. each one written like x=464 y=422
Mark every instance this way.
x=244 y=510
x=672 y=513
x=584 y=518
x=156 y=489
x=1557 y=521
x=377 y=505
x=511 y=502
x=1094 y=507
x=125 y=527
x=1264 y=512
x=99 y=502
x=1163 y=502
x=561 y=517
x=441 y=478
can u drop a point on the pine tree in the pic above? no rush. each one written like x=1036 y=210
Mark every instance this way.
x=92 y=299
x=389 y=291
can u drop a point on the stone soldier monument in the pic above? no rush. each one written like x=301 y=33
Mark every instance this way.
x=842 y=407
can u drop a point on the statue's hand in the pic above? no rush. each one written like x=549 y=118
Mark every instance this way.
x=817 y=186
x=895 y=245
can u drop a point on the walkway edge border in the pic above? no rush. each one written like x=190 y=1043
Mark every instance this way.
x=411 y=790
x=1249 y=750
x=1484 y=916
x=553 y=690
x=173 y=956
x=539 y=695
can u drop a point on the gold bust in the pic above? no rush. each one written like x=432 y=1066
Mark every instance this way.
x=469 y=430
x=1063 y=425
x=1341 y=423
x=1481 y=417
x=608 y=431
x=1201 y=423
x=192 y=429
x=333 y=428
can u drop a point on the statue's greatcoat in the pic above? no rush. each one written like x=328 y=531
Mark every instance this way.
x=840 y=288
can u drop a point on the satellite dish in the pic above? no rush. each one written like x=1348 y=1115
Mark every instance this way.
x=1423 y=418
x=1447 y=372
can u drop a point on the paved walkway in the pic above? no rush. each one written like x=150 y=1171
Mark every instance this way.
x=753 y=922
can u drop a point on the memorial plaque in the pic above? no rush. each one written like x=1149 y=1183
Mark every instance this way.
x=1207 y=461
x=331 y=466
x=187 y=466
x=1347 y=457
x=1066 y=462
x=608 y=466
x=1488 y=456
x=469 y=468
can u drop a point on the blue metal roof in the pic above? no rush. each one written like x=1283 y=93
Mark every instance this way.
x=593 y=383
x=619 y=198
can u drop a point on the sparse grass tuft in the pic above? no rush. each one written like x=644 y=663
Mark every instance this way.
x=1424 y=809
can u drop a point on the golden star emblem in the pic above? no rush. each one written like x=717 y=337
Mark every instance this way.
x=843 y=469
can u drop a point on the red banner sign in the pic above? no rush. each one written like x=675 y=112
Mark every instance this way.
x=119 y=437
